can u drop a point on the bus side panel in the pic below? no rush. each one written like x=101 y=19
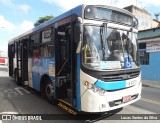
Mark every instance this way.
x=45 y=66
x=35 y=70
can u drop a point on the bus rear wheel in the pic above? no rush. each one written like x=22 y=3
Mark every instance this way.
x=48 y=92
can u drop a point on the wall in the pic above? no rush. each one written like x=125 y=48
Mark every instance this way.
x=152 y=71
x=155 y=24
x=149 y=33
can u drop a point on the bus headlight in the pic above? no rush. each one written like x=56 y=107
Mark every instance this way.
x=94 y=88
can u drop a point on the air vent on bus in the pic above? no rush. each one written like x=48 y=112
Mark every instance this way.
x=119 y=77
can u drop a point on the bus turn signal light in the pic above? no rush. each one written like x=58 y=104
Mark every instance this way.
x=86 y=83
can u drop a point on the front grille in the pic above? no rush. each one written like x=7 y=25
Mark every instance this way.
x=119 y=77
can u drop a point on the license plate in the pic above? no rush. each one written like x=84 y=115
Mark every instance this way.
x=127 y=98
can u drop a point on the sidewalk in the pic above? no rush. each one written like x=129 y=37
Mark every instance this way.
x=151 y=83
x=3 y=71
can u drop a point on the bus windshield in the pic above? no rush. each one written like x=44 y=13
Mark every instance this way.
x=109 y=49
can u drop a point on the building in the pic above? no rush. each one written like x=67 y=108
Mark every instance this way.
x=149 y=43
x=156 y=23
x=144 y=18
x=149 y=46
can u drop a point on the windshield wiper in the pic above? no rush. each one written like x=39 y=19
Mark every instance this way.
x=128 y=44
x=103 y=33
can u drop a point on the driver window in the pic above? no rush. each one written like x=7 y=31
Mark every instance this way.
x=90 y=49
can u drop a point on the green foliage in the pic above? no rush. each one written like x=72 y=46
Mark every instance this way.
x=42 y=20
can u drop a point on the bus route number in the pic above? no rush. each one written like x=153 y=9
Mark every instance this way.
x=130 y=83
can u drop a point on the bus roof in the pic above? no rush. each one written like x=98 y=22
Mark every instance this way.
x=77 y=10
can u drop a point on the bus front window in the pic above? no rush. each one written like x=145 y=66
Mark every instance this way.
x=118 y=50
x=90 y=48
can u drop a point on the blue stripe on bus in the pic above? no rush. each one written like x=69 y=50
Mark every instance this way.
x=78 y=97
x=111 y=85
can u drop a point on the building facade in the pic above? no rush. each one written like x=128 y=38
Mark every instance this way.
x=145 y=20
x=149 y=46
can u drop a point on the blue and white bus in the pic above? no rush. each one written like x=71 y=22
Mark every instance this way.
x=86 y=58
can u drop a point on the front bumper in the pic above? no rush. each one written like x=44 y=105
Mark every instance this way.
x=93 y=102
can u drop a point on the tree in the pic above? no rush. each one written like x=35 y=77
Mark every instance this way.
x=42 y=20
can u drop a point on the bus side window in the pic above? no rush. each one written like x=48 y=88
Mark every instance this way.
x=30 y=51
x=13 y=50
x=47 y=51
x=50 y=49
x=30 y=47
x=35 y=56
x=42 y=50
x=63 y=49
x=35 y=38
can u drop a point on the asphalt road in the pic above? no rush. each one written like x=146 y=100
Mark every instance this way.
x=23 y=100
x=150 y=99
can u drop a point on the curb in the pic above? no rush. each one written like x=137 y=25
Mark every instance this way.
x=151 y=86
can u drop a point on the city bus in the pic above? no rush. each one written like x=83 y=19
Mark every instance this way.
x=86 y=58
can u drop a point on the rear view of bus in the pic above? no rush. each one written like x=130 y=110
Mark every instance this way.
x=110 y=75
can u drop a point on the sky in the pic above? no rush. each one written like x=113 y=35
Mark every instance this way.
x=18 y=16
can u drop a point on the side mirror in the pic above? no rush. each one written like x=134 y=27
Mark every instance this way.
x=135 y=22
x=77 y=32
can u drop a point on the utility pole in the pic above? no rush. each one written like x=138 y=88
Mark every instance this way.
x=157 y=15
x=136 y=2
x=115 y=2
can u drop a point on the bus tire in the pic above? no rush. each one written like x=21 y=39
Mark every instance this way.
x=48 y=92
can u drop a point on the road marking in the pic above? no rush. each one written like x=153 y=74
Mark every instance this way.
x=20 y=92
x=8 y=112
x=150 y=101
x=11 y=92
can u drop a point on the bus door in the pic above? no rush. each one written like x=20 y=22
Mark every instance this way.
x=63 y=57
x=18 y=70
x=25 y=61
x=22 y=62
x=11 y=51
